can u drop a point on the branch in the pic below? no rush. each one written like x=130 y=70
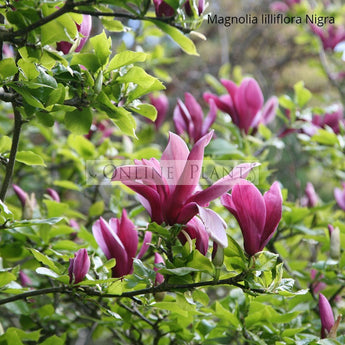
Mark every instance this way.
x=167 y=20
x=18 y=122
x=234 y=281
x=8 y=97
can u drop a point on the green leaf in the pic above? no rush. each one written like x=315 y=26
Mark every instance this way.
x=102 y=46
x=79 y=122
x=88 y=60
x=179 y=271
x=8 y=68
x=29 y=222
x=62 y=28
x=5 y=143
x=44 y=259
x=184 y=42
x=45 y=118
x=96 y=209
x=302 y=95
x=29 y=158
x=28 y=97
x=125 y=121
x=126 y=58
x=54 y=340
x=6 y=277
x=286 y=102
x=325 y=137
x=263 y=261
x=82 y=146
x=147 y=110
x=46 y=272
x=29 y=69
x=67 y=185
x=112 y=25
x=158 y=229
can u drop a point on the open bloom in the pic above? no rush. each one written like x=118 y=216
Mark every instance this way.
x=161 y=103
x=168 y=189
x=195 y=229
x=189 y=118
x=84 y=29
x=244 y=104
x=257 y=215
x=339 y=195
x=329 y=37
x=188 y=8
x=330 y=119
x=326 y=316
x=163 y=9
x=118 y=239
x=78 y=266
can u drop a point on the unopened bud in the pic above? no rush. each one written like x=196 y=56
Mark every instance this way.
x=334 y=250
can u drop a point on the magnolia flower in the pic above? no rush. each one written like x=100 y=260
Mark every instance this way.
x=188 y=8
x=84 y=29
x=326 y=316
x=244 y=104
x=195 y=229
x=316 y=286
x=189 y=118
x=78 y=266
x=163 y=9
x=311 y=198
x=335 y=243
x=331 y=119
x=24 y=279
x=29 y=203
x=159 y=277
x=53 y=194
x=118 y=239
x=168 y=189
x=161 y=103
x=329 y=37
x=105 y=128
x=339 y=195
x=257 y=215
x=283 y=6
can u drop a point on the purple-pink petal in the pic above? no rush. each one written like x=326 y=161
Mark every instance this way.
x=339 y=195
x=326 y=316
x=146 y=244
x=214 y=226
x=273 y=201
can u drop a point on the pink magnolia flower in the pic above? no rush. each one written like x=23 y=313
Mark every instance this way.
x=311 y=198
x=195 y=229
x=84 y=30
x=104 y=127
x=326 y=316
x=283 y=6
x=188 y=8
x=331 y=119
x=53 y=194
x=118 y=239
x=159 y=277
x=329 y=37
x=257 y=215
x=24 y=279
x=22 y=196
x=78 y=266
x=161 y=103
x=244 y=104
x=339 y=195
x=163 y=9
x=189 y=118
x=168 y=189
x=317 y=285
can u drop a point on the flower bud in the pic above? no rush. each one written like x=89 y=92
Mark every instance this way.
x=84 y=30
x=163 y=9
x=217 y=255
x=326 y=316
x=334 y=235
x=53 y=194
x=24 y=279
x=78 y=266
x=188 y=8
